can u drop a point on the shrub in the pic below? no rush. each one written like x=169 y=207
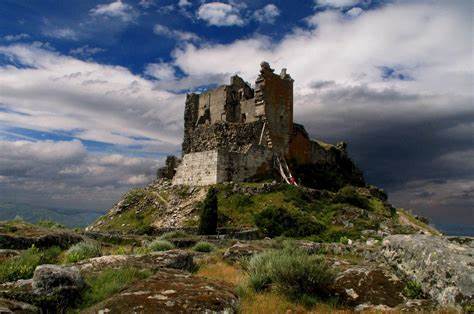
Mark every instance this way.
x=203 y=247
x=349 y=195
x=292 y=271
x=141 y=250
x=173 y=235
x=412 y=290
x=161 y=245
x=275 y=221
x=344 y=240
x=81 y=251
x=109 y=282
x=208 y=215
x=23 y=265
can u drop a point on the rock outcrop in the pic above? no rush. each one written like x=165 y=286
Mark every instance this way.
x=177 y=259
x=22 y=236
x=240 y=250
x=369 y=285
x=17 y=307
x=172 y=291
x=444 y=269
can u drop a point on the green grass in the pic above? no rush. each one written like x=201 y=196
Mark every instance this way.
x=109 y=282
x=291 y=271
x=276 y=221
x=138 y=216
x=203 y=247
x=81 y=251
x=413 y=290
x=174 y=235
x=24 y=265
x=160 y=245
x=240 y=208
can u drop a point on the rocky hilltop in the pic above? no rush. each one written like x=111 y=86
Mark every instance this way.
x=255 y=217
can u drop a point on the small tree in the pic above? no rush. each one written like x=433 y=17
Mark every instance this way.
x=208 y=216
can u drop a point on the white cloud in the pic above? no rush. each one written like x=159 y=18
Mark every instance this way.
x=61 y=33
x=16 y=37
x=173 y=33
x=267 y=14
x=355 y=12
x=56 y=92
x=147 y=3
x=160 y=71
x=184 y=3
x=86 y=51
x=220 y=14
x=116 y=9
x=337 y=3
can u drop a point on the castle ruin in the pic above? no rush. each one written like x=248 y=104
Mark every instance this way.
x=236 y=133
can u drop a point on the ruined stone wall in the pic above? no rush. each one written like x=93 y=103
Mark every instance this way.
x=198 y=169
x=247 y=108
x=275 y=93
x=220 y=165
x=231 y=136
x=300 y=145
x=214 y=103
x=256 y=161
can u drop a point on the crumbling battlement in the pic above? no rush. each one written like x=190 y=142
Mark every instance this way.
x=236 y=133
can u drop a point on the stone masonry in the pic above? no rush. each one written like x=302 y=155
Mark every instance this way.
x=236 y=133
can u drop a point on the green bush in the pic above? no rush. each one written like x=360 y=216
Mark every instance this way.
x=349 y=195
x=23 y=265
x=203 y=247
x=174 y=235
x=161 y=245
x=412 y=290
x=275 y=221
x=81 y=251
x=208 y=215
x=292 y=271
x=109 y=282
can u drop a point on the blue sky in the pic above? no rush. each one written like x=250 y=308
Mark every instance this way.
x=92 y=92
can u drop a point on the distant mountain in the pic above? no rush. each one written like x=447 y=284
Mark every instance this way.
x=68 y=217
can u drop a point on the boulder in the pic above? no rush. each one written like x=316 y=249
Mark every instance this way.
x=51 y=279
x=370 y=284
x=240 y=250
x=444 y=269
x=17 y=307
x=172 y=291
x=177 y=259
x=52 y=289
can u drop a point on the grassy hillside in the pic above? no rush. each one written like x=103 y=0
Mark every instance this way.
x=276 y=209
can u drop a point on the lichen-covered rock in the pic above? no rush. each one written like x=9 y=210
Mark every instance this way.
x=61 y=285
x=17 y=307
x=444 y=269
x=177 y=259
x=172 y=291
x=52 y=290
x=375 y=285
x=50 y=279
x=240 y=250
